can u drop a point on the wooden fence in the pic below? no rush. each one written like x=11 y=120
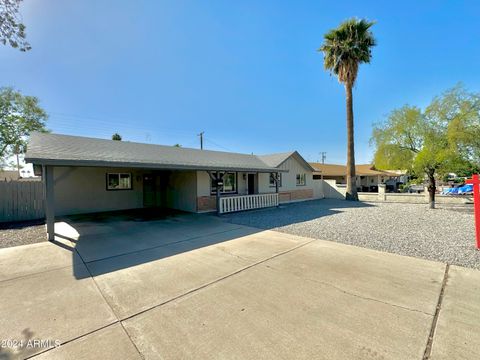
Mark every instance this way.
x=21 y=200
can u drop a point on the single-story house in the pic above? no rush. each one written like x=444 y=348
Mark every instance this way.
x=85 y=175
x=367 y=177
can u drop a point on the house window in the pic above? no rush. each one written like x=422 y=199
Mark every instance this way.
x=229 y=183
x=119 y=181
x=272 y=179
x=301 y=179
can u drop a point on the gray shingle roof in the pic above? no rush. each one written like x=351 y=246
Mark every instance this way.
x=275 y=160
x=55 y=149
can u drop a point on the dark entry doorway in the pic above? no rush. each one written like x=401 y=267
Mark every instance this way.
x=149 y=191
x=251 y=184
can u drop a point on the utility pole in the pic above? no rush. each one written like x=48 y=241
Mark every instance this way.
x=201 y=139
x=324 y=156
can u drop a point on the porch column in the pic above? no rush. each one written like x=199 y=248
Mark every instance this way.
x=276 y=182
x=49 y=202
x=217 y=182
x=277 y=179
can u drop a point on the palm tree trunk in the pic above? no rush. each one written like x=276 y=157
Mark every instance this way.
x=351 y=183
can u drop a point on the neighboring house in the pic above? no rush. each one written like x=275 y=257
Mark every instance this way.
x=84 y=175
x=12 y=175
x=9 y=175
x=367 y=177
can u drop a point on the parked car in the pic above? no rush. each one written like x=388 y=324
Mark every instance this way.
x=415 y=189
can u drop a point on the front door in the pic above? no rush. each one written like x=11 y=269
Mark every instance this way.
x=251 y=184
x=149 y=191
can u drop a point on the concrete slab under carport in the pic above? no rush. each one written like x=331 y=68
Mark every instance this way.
x=117 y=235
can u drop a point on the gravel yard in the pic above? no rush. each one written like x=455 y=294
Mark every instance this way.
x=21 y=233
x=445 y=234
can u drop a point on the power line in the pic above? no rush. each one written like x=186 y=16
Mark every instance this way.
x=105 y=126
x=217 y=145
x=118 y=122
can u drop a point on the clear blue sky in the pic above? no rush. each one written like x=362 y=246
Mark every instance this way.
x=245 y=72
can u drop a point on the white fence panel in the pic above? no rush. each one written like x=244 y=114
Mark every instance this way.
x=247 y=202
x=21 y=200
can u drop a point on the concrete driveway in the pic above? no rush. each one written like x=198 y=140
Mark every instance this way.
x=195 y=287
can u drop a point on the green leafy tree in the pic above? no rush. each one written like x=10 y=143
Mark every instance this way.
x=19 y=116
x=344 y=49
x=117 y=137
x=433 y=142
x=12 y=30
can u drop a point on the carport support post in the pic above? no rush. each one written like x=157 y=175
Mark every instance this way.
x=49 y=202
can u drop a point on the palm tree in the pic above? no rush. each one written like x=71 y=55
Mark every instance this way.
x=344 y=49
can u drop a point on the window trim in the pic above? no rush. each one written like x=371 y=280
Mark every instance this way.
x=119 y=173
x=304 y=179
x=279 y=182
x=235 y=191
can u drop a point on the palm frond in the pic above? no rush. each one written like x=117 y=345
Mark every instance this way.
x=346 y=47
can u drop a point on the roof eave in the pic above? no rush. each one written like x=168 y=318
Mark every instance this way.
x=97 y=163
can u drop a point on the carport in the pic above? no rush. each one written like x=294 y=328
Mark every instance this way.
x=88 y=175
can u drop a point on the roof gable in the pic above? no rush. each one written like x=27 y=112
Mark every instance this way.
x=275 y=160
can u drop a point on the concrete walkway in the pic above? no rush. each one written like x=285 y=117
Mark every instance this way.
x=194 y=287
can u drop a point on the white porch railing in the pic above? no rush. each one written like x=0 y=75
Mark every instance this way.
x=247 y=202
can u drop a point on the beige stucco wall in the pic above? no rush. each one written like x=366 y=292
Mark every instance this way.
x=332 y=190
x=181 y=191
x=289 y=191
x=203 y=183
x=337 y=179
x=289 y=179
x=263 y=180
x=83 y=190
x=318 y=189
x=423 y=199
